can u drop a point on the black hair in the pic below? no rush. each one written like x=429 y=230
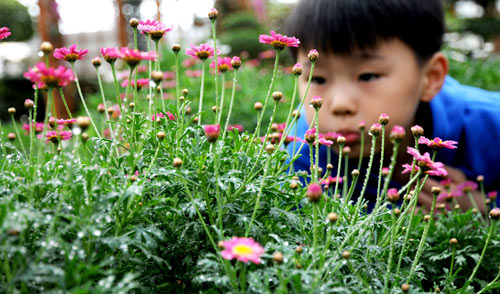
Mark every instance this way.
x=342 y=26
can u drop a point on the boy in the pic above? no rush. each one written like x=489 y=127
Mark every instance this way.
x=383 y=56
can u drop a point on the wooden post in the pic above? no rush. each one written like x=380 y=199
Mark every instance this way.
x=122 y=25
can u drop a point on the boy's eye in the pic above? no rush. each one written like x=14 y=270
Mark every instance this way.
x=318 y=80
x=366 y=77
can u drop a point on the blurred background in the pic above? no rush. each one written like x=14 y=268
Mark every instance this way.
x=472 y=41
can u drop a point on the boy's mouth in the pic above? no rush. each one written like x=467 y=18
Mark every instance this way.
x=350 y=136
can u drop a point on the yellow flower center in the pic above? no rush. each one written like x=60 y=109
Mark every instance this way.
x=242 y=250
x=202 y=55
x=278 y=44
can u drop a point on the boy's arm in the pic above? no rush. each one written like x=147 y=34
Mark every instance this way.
x=457 y=177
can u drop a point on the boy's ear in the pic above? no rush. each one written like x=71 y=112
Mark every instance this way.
x=435 y=72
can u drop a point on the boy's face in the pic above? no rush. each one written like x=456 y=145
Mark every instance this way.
x=361 y=86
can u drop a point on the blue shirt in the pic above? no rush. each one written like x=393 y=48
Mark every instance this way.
x=468 y=115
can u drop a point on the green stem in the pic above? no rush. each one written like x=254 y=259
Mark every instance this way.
x=315 y=227
x=221 y=98
x=117 y=89
x=16 y=129
x=453 y=250
x=362 y=148
x=290 y=111
x=202 y=87
x=257 y=128
x=490 y=284
x=422 y=240
x=262 y=183
x=233 y=91
x=216 y=73
x=391 y=252
x=316 y=146
x=83 y=100
x=379 y=197
x=64 y=102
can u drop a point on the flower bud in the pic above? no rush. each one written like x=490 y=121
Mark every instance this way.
x=299 y=249
x=385 y=171
x=495 y=213
x=313 y=55
x=176 y=48
x=212 y=14
x=214 y=108
x=85 y=137
x=11 y=136
x=278 y=257
x=362 y=125
x=277 y=96
x=397 y=212
x=375 y=129
x=355 y=173
x=397 y=134
x=294 y=185
x=297 y=69
x=157 y=76
x=220 y=245
x=270 y=148
x=181 y=98
x=383 y=119
x=110 y=110
x=101 y=108
x=52 y=122
x=456 y=207
x=177 y=162
x=11 y=110
x=96 y=62
x=480 y=178
x=346 y=150
x=405 y=287
x=236 y=62
x=133 y=178
x=329 y=166
x=314 y=192
x=296 y=113
x=453 y=241
x=134 y=22
x=161 y=135
x=83 y=122
x=341 y=140
x=185 y=92
x=417 y=131
x=346 y=254
x=436 y=191
x=427 y=218
x=258 y=106
x=28 y=104
x=46 y=48
x=332 y=217
x=188 y=110
x=393 y=195
x=492 y=195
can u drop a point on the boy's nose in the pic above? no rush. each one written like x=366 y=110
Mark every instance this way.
x=342 y=104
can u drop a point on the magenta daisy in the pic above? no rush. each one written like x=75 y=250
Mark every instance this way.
x=325 y=142
x=397 y=133
x=492 y=195
x=407 y=168
x=153 y=28
x=110 y=54
x=310 y=135
x=331 y=180
x=133 y=56
x=212 y=132
x=240 y=128
x=66 y=122
x=4 y=33
x=201 y=52
x=437 y=143
x=223 y=64
x=70 y=54
x=425 y=162
x=278 y=41
x=48 y=76
x=38 y=127
x=54 y=136
x=243 y=249
x=161 y=115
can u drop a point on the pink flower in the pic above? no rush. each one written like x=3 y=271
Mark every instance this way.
x=240 y=128
x=243 y=249
x=325 y=142
x=66 y=122
x=223 y=64
x=332 y=136
x=201 y=52
x=446 y=196
x=54 y=136
x=47 y=76
x=425 y=162
x=314 y=192
x=407 y=168
x=278 y=41
x=4 y=33
x=187 y=63
x=331 y=180
x=467 y=186
x=38 y=126
x=110 y=54
x=70 y=54
x=397 y=133
x=437 y=143
x=212 y=132
x=133 y=56
x=310 y=135
x=445 y=182
x=140 y=83
x=236 y=62
x=492 y=195
x=153 y=28
x=161 y=115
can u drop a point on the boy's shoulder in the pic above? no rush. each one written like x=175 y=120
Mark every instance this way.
x=470 y=116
